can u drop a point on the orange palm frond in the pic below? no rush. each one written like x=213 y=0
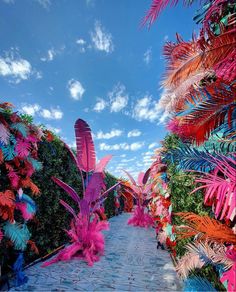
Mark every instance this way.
x=186 y=59
x=205 y=228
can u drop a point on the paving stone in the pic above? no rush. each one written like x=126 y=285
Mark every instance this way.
x=131 y=263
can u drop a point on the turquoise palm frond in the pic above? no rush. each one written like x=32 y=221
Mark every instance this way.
x=37 y=165
x=190 y=158
x=20 y=127
x=9 y=151
x=18 y=234
x=198 y=284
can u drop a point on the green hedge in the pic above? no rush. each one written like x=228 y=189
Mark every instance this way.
x=47 y=228
x=181 y=184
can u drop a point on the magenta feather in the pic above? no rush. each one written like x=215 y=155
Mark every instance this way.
x=140 y=178
x=22 y=207
x=86 y=157
x=146 y=176
x=95 y=186
x=68 y=208
x=72 y=155
x=87 y=241
x=103 y=163
x=70 y=191
x=22 y=148
x=84 y=207
x=130 y=177
x=140 y=218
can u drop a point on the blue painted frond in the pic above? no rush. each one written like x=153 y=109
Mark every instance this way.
x=198 y=284
x=37 y=165
x=18 y=234
x=20 y=127
x=190 y=158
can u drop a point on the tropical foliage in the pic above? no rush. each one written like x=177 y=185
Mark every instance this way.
x=18 y=162
x=199 y=101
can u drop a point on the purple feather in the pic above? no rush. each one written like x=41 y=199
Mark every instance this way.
x=86 y=157
x=70 y=191
x=68 y=208
x=84 y=207
x=95 y=186
x=146 y=176
x=103 y=163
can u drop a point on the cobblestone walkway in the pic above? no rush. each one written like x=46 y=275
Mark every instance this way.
x=131 y=263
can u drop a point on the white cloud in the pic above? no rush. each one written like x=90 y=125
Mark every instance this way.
x=35 y=109
x=100 y=105
x=134 y=133
x=44 y=3
x=30 y=109
x=147 y=56
x=122 y=146
x=15 y=67
x=101 y=39
x=81 y=43
x=51 y=114
x=152 y=145
x=76 y=89
x=136 y=146
x=113 y=133
x=118 y=98
x=50 y=55
x=146 y=109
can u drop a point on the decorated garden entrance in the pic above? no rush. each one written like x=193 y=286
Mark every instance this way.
x=131 y=263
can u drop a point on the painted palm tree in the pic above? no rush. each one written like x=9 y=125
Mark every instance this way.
x=85 y=230
x=141 y=192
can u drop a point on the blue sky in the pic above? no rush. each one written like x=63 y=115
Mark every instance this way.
x=66 y=59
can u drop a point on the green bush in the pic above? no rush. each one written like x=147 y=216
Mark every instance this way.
x=47 y=228
x=181 y=184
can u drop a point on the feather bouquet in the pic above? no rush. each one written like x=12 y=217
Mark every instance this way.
x=87 y=240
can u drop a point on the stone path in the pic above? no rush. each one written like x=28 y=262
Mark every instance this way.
x=131 y=263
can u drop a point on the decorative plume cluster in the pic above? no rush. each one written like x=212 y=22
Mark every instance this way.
x=18 y=162
x=87 y=241
x=199 y=98
x=141 y=192
x=160 y=205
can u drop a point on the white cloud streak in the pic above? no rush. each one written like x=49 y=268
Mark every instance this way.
x=76 y=89
x=118 y=98
x=100 y=105
x=37 y=110
x=122 y=146
x=147 y=57
x=101 y=39
x=134 y=133
x=113 y=133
